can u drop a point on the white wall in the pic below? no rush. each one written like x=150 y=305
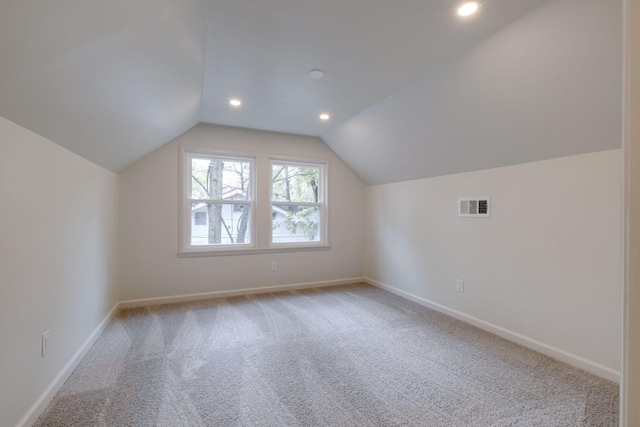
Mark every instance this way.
x=58 y=261
x=149 y=203
x=546 y=265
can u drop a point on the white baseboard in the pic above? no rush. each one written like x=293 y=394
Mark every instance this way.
x=564 y=356
x=246 y=291
x=41 y=404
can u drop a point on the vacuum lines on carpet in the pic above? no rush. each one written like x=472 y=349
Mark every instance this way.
x=350 y=355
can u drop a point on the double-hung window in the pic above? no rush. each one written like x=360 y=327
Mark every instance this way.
x=243 y=203
x=297 y=202
x=220 y=201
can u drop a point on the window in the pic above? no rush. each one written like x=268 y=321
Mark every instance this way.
x=235 y=203
x=296 y=202
x=220 y=200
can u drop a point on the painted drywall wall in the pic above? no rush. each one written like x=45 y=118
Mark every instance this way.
x=58 y=261
x=149 y=204
x=548 y=85
x=545 y=265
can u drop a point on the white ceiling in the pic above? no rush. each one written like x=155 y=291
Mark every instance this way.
x=261 y=52
x=114 y=80
x=546 y=86
x=109 y=80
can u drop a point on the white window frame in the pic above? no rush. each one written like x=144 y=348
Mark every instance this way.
x=261 y=210
x=186 y=201
x=322 y=200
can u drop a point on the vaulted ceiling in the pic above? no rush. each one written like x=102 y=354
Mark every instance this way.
x=114 y=80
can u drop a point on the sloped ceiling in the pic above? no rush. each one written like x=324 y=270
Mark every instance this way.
x=549 y=85
x=114 y=80
x=109 y=80
x=261 y=51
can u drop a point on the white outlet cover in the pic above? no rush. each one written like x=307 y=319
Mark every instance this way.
x=460 y=285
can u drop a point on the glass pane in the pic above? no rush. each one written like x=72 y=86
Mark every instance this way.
x=295 y=183
x=295 y=224
x=220 y=179
x=220 y=223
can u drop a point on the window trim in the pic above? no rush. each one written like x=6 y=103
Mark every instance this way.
x=261 y=202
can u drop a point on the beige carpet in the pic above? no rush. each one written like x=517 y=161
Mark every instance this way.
x=343 y=356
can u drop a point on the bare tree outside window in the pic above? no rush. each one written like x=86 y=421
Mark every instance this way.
x=218 y=186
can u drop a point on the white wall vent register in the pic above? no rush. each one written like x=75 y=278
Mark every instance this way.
x=476 y=207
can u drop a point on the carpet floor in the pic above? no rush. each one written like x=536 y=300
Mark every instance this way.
x=342 y=356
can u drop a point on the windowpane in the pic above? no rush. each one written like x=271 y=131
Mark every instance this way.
x=220 y=223
x=220 y=179
x=295 y=223
x=200 y=218
x=295 y=183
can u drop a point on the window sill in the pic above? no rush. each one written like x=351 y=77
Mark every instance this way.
x=252 y=251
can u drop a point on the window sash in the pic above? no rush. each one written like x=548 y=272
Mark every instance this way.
x=298 y=235
x=301 y=164
x=250 y=194
x=320 y=204
x=227 y=229
x=188 y=202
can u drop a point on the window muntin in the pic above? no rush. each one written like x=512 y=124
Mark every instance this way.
x=297 y=201
x=220 y=200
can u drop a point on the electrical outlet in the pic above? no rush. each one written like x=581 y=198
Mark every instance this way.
x=460 y=285
x=274 y=266
x=45 y=343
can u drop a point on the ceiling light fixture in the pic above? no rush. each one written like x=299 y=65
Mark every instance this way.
x=324 y=116
x=316 y=74
x=235 y=102
x=468 y=9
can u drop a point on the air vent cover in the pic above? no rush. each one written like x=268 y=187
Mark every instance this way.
x=474 y=207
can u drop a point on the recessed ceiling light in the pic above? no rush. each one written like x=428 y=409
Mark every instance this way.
x=324 y=116
x=235 y=102
x=316 y=74
x=468 y=8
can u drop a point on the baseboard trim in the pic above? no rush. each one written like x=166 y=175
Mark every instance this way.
x=41 y=404
x=564 y=356
x=246 y=291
